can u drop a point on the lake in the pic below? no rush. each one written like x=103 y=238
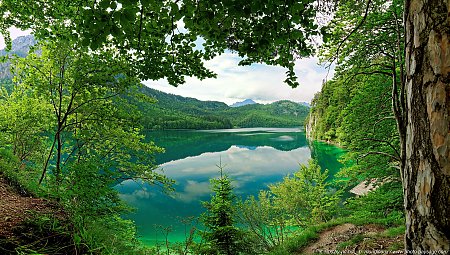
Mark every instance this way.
x=252 y=157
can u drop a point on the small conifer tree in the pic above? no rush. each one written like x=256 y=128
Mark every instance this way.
x=220 y=233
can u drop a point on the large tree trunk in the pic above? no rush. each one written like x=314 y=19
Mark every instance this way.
x=426 y=172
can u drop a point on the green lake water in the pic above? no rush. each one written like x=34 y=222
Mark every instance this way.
x=253 y=158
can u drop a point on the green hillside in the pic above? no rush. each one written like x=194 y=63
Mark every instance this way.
x=177 y=112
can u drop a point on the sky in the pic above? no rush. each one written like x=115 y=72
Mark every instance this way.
x=259 y=82
x=262 y=83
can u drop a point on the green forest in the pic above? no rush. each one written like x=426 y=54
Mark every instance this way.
x=73 y=117
x=177 y=112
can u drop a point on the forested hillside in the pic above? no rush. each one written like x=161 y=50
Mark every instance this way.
x=167 y=111
x=177 y=112
x=355 y=108
x=70 y=126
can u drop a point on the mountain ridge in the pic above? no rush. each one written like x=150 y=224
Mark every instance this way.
x=242 y=103
x=178 y=112
x=20 y=47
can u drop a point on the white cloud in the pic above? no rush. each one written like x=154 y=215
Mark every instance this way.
x=137 y=195
x=193 y=191
x=260 y=163
x=235 y=83
x=259 y=82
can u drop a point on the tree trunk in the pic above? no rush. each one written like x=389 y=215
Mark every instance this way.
x=426 y=172
x=58 y=155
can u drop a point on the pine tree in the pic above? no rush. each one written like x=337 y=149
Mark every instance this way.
x=220 y=233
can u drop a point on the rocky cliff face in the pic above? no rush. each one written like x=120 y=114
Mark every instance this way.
x=310 y=124
x=20 y=47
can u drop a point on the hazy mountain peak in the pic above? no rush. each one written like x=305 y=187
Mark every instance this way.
x=305 y=104
x=20 y=47
x=245 y=102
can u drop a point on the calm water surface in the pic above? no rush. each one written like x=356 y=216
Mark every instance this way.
x=253 y=158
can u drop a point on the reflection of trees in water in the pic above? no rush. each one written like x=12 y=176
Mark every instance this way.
x=182 y=144
x=252 y=171
x=327 y=156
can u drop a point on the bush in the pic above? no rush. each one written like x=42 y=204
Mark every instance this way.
x=383 y=206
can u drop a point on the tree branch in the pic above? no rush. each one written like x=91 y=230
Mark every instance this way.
x=379 y=153
x=386 y=142
x=353 y=31
x=91 y=100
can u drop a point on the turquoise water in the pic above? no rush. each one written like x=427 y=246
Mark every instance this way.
x=253 y=158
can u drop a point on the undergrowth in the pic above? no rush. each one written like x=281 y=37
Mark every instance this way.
x=73 y=227
x=381 y=207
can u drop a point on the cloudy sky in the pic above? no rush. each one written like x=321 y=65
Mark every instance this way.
x=234 y=83
x=259 y=82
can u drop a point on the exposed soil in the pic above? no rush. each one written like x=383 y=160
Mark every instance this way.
x=32 y=225
x=351 y=239
x=329 y=239
x=15 y=208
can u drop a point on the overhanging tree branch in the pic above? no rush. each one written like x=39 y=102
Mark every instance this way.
x=351 y=33
x=379 y=153
x=386 y=142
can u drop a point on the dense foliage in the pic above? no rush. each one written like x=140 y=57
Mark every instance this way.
x=177 y=112
x=300 y=200
x=355 y=108
x=64 y=121
x=221 y=234
x=151 y=37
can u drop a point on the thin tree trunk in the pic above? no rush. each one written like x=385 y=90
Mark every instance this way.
x=58 y=155
x=44 y=170
x=426 y=172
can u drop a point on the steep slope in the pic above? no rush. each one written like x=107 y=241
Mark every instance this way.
x=177 y=112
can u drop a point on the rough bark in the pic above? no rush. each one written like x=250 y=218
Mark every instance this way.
x=426 y=172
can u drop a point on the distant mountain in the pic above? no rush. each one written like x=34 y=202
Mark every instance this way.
x=20 y=47
x=305 y=104
x=245 y=102
x=177 y=112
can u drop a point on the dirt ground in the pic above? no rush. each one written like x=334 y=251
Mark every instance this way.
x=15 y=208
x=351 y=239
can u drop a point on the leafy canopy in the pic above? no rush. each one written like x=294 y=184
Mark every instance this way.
x=160 y=38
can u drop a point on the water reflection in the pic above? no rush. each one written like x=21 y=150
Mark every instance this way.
x=185 y=143
x=252 y=158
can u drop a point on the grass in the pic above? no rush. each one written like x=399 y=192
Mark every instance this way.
x=354 y=240
x=397 y=246
x=304 y=237
x=394 y=231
